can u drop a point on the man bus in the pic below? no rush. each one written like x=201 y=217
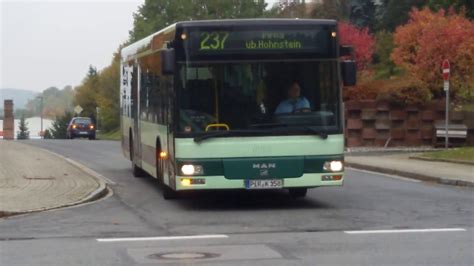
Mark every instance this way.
x=198 y=102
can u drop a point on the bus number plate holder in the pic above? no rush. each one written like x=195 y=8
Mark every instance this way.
x=263 y=183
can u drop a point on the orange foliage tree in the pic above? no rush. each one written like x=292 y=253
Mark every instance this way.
x=362 y=41
x=427 y=39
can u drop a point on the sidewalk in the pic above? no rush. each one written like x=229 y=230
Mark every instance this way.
x=32 y=179
x=401 y=164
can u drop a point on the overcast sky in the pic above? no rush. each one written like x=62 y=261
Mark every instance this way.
x=46 y=43
x=52 y=43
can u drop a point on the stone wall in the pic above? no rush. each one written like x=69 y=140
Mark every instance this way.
x=376 y=123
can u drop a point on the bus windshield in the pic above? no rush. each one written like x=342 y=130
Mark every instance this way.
x=255 y=96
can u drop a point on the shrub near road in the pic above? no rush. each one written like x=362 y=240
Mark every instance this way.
x=427 y=39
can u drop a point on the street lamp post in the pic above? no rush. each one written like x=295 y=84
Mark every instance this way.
x=41 y=115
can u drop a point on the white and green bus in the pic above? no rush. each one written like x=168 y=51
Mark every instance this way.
x=236 y=104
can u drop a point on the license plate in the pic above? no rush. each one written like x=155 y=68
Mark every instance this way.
x=83 y=132
x=264 y=183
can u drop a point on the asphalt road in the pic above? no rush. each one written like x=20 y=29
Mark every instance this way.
x=373 y=220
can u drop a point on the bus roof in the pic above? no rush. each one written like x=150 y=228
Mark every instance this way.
x=260 y=21
x=144 y=44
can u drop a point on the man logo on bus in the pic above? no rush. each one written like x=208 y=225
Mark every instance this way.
x=264 y=166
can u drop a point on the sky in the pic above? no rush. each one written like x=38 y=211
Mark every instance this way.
x=46 y=43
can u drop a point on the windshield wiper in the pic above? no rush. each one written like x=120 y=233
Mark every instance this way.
x=223 y=133
x=263 y=125
x=322 y=134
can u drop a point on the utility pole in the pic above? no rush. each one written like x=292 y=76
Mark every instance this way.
x=41 y=115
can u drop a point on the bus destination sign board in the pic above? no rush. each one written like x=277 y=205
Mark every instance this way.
x=217 y=41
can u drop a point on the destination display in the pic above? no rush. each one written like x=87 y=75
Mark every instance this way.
x=218 y=41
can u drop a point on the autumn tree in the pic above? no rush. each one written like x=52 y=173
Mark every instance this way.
x=86 y=93
x=430 y=37
x=108 y=96
x=54 y=102
x=361 y=40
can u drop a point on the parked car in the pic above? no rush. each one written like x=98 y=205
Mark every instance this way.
x=81 y=127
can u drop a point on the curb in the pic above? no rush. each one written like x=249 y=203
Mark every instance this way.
x=422 y=177
x=98 y=193
x=422 y=158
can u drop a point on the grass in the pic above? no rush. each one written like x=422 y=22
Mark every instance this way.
x=461 y=154
x=112 y=135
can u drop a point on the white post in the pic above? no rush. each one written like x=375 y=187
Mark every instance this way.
x=446 y=89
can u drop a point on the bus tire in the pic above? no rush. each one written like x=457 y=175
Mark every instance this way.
x=168 y=193
x=136 y=171
x=298 y=193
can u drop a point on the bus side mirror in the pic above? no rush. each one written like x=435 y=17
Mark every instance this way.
x=349 y=72
x=167 y=61
x=346 y=50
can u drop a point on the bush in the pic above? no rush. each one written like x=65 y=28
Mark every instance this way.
x=59 y=126
x=404 y=91
x=401 y=91
x=47 y=134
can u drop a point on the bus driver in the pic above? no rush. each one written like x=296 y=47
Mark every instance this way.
x=295 y=102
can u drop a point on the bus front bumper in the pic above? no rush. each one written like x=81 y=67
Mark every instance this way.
x=220 y=182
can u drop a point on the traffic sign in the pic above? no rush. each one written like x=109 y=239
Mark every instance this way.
x=78 y=109
x=446 y=85
x=446 y=70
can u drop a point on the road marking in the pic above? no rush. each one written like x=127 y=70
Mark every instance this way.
x=405 y=231
x=387 y=175
x=160 y=238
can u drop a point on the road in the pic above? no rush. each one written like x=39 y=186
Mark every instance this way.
x=372 y=220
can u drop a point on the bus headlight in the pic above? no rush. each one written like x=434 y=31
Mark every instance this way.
x=333 y=166
x=191 y=169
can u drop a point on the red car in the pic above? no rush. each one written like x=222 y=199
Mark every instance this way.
x=81 y=127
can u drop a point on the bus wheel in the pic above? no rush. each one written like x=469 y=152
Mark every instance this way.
x=136 y=171
x=168 y=193
x=297 y=193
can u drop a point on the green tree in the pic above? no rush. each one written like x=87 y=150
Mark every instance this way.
x=23 y=127
x=154 y=15
x=363 y=14
x=47 y=134
x=384 y=66
x=468 y=5
x=393 y=13
x=59 y=126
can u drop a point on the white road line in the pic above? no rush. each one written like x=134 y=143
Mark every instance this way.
x=160 y=238
x=387 y=175
x=396 y=231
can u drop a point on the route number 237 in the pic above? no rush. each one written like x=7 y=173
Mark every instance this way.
x=213 y=40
